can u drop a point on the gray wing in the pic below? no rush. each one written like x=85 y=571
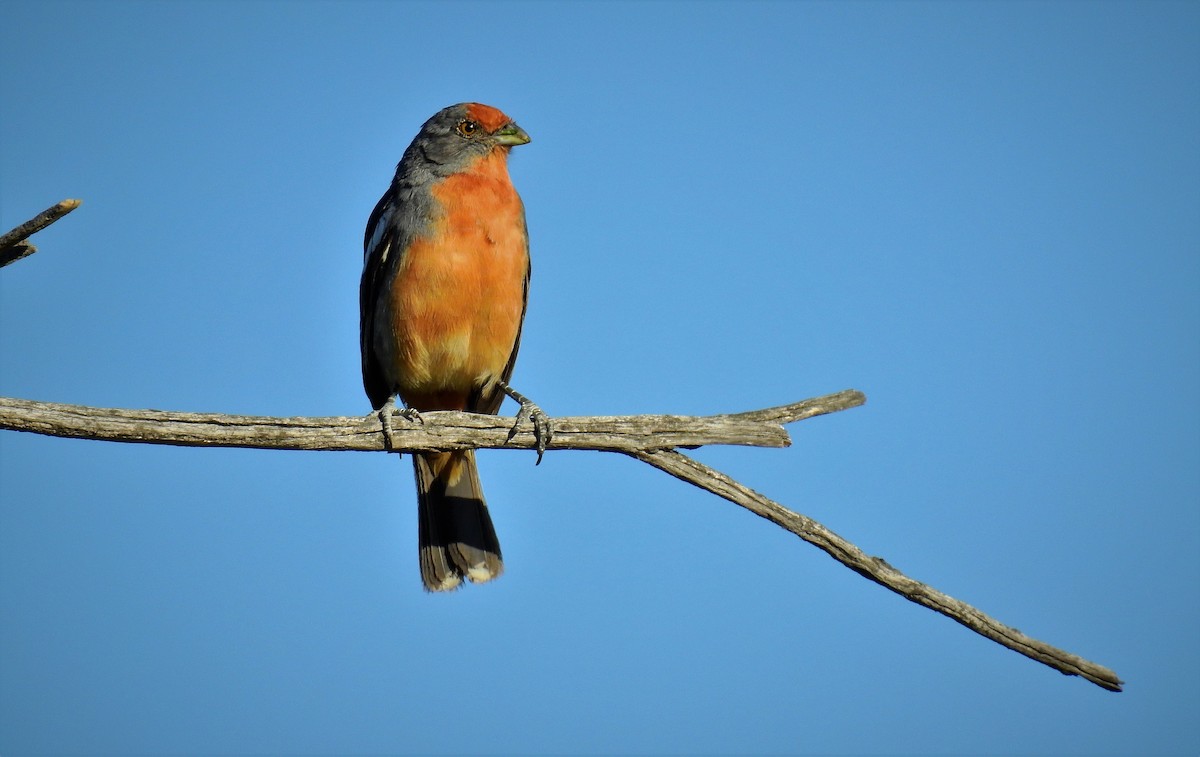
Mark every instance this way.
x=378 y=241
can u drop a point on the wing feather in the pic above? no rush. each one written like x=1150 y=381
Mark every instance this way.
x=378 y=240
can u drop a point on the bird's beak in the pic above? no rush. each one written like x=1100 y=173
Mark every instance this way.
x=511 y=135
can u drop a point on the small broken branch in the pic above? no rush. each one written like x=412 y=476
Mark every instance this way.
x=13 y=246
x=15 y=252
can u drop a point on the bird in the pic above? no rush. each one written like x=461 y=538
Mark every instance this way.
x=442 y=300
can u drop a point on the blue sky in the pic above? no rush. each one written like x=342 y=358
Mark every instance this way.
x=986 y=216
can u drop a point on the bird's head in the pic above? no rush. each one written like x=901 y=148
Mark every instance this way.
x=458 y=135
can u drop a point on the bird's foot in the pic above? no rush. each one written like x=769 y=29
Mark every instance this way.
x=530 y=413
x=385 y=414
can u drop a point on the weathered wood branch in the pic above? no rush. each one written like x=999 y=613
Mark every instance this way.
x=876 y=568
x=13 y=246
x=649 y=438
x=440 y=430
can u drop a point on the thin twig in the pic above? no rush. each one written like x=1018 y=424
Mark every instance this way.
x=875 y=568
x=810 y=408
x=13 y=246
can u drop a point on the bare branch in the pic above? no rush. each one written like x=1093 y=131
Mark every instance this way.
x=440 y=430
x=13 y=246
x=876 y=568
x=649 y=438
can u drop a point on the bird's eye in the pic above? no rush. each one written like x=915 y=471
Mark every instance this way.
x=467 y=128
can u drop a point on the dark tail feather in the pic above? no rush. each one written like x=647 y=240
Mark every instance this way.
x=456 y=535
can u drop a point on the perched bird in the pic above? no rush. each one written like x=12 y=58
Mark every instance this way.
x=442 y=298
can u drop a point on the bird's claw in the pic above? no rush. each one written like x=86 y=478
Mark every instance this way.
x=411 y=414
x=385 y=414
x=542 y=433
x=533 y=414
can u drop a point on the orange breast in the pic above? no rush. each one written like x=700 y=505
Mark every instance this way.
x=458 y=296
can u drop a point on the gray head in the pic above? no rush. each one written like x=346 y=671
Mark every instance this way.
x=457 y=136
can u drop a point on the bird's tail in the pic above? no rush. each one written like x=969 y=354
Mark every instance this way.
x=456 y=535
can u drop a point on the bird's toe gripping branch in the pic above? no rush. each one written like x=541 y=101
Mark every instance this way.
x=385 y=414
x=533 y=414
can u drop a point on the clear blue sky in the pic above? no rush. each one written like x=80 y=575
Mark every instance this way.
x=985 y=216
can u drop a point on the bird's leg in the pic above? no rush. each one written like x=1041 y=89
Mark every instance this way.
x=532 y=413
x=385 y=418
